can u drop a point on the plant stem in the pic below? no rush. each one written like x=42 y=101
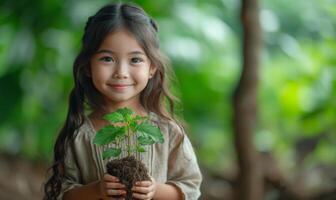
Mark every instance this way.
x=137 y=154
x=128 y=141
x=118 y=143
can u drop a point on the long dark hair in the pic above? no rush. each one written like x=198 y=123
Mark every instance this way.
x=155 y=97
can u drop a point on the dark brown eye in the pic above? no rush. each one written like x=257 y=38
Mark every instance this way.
x=136 y=60
x=106 y=59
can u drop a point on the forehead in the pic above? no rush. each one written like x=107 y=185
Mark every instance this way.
x=120 y=41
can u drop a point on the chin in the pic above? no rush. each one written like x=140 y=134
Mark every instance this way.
x=120 y=98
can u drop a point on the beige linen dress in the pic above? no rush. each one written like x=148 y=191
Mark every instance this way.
x=173 y=162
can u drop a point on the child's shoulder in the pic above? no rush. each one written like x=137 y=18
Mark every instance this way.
x=85 y=130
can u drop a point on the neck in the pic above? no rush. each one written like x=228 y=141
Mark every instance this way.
x=138 y=109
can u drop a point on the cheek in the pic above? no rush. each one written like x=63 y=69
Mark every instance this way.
x=142 y=76
x=98 y=75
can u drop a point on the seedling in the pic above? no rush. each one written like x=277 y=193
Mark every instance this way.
x=123 y=125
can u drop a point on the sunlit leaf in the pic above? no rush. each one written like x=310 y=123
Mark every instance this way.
x=125 y=112
x=114 y=117
x=145 y=140
x=151 y=131
x=140 y=149
x=108 y=134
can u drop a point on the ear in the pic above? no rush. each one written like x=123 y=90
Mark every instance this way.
x=152 y=71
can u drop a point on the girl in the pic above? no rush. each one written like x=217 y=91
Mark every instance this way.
x=120 y=65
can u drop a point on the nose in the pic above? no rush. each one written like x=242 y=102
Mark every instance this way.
x=121 y=71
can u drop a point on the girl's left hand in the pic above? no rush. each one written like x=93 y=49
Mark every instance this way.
x=144 y=190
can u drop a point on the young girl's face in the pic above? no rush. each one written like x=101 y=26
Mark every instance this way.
x=120 y=69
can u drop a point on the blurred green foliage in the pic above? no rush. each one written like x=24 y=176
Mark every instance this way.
x=297 y=91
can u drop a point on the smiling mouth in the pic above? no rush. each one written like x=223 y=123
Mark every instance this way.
x=119 y=87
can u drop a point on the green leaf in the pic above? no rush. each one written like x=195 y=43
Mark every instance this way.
x=149 y=130
x=145 y=140
x=135 y=121
x=108 y=134
x=133 y=125
x=125 y=112
x=140 y=149
x=112 y=152
x=114 y=117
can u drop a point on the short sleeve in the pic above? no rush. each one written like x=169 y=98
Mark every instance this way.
x=183 y=169
x=71 y=178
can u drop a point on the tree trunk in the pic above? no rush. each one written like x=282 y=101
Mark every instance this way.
x=250 y=180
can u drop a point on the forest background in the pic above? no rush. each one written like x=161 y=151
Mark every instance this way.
x=296 y=118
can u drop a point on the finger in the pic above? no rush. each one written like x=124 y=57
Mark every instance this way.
x=114 y=185
x=143 y=183
x=143 y=190
x=141 y=196
x=108 y=177
x=115 y=192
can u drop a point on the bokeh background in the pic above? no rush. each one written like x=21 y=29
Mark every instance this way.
x=296 y=123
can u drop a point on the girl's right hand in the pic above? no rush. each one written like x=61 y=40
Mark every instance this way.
x=111 y=187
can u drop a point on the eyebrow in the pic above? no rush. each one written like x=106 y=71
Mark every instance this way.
x=112 y=52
